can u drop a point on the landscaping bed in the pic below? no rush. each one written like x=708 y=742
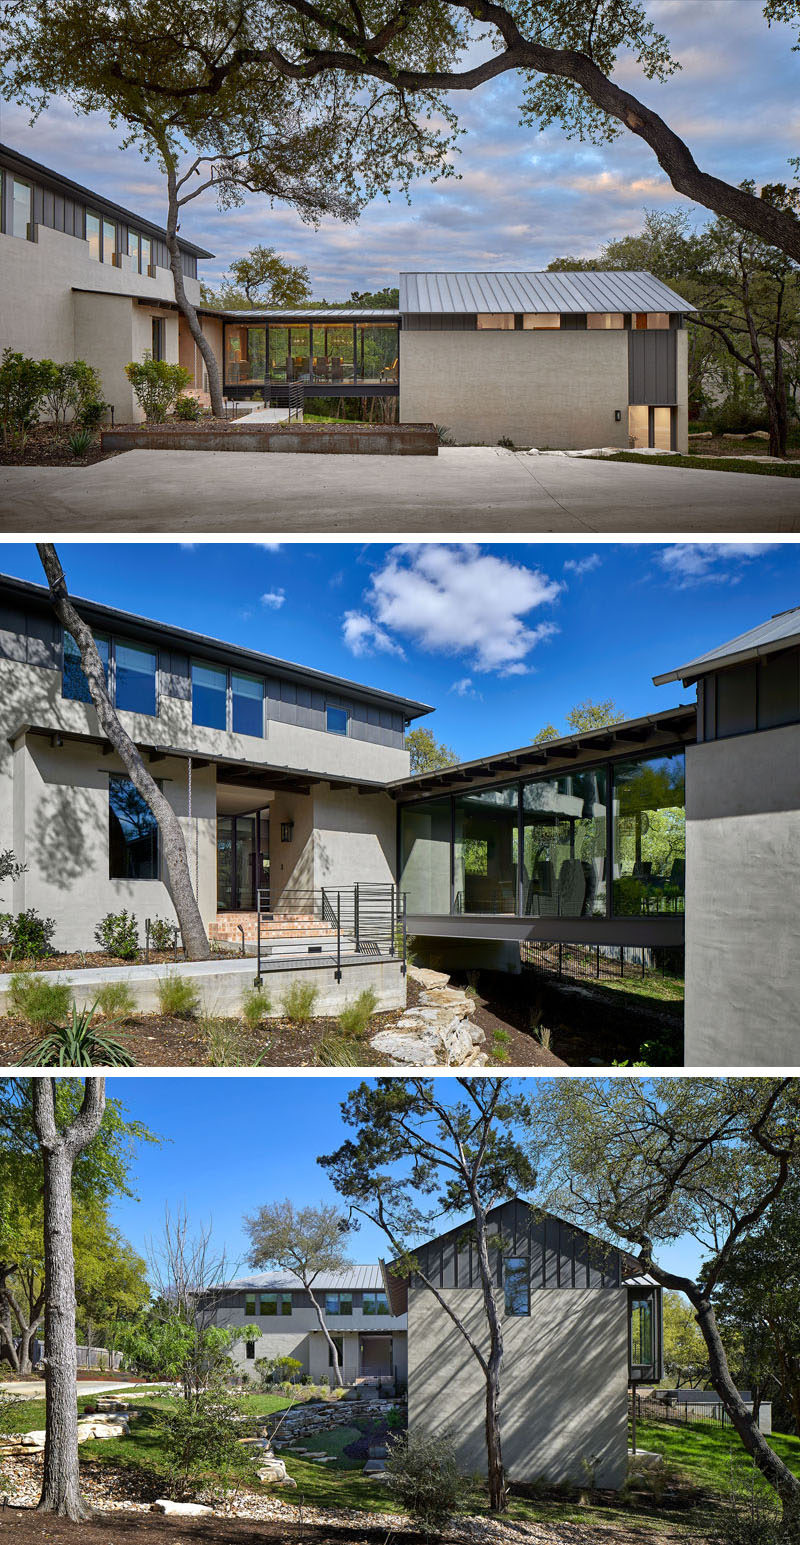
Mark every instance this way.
x=580 y=1024
x=710 y=463
x=344 y=438
x=85 y=960
x=45 y=448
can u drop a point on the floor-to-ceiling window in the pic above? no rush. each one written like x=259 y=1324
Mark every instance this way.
x=245 y=354
x=564 y=845
x=485 y=851
x=425 y=856
x=377 y=352
x=649 y=835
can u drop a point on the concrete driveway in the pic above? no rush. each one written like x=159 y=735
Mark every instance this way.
x=465 y=488
x=34 y=1389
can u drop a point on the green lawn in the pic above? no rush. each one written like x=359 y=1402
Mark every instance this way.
x=708 y=1453
x=661 y=991
x=709 y=463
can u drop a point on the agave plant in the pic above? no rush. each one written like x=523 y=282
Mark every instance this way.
x=77 y=1045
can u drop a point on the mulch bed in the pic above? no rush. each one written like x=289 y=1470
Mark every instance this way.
x=44 y=448
x=88 y=960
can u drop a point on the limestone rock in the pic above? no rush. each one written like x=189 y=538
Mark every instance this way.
x=477 y=1035
x=273 y=1471
x=410 y=1049
x=181 y=1509
x=426 y=977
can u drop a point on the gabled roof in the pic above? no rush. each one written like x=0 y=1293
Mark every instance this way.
x=366 y=1277
x=589 y=290
x=779 y=632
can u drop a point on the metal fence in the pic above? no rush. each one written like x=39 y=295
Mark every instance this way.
x=287 y=394
x=597 y=962
x=678 y=1414
x=340 y=926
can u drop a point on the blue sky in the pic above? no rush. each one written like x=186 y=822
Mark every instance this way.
x=500 y=638
x=524 y=197
x=232 y=1143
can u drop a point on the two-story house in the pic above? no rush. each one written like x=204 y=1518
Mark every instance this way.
x=370 y=1337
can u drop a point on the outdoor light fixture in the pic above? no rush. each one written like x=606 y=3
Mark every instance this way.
x=618 y=415
x=287 y=828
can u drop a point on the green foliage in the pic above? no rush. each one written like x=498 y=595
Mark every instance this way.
x=178 y=997
x=69 y=386
x=443 y=435
x=36 y=1000
x=685 y=1351
x=297 y=1003
x=256 y=1006
x=162 y=934
x=355 y=1017
x=116 y=1001
x=26 y=935
x=188 y=408
x=506 y=443
x=423 y=1477
x=225 y=1044
x=77 y=1044
x=157 y=385
x=93 y=413
x=262 y=278
x=23 y=383
x=80 y=441
x=10 y=867
x=335 y=1051
x=428 y=754
x=201 y=1437
x=277 y=1370
x=118 y=934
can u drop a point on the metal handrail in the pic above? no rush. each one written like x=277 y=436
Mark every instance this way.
x=366 y=919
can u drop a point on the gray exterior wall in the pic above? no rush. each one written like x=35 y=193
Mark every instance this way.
x=298 y=1335
x=742 y=864
x=564 y=1400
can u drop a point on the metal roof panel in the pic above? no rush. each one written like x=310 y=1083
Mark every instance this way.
x=778 y=632
x=583 y=290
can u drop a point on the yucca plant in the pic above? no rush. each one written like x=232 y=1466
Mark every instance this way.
x=77 y=1044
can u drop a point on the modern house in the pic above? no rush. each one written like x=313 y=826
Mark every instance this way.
x=370 y=1337
x=568 y=360
x=577 y=1328
x=677 y=829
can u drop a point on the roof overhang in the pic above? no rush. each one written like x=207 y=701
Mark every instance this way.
x=676 y=726
x=686 y=674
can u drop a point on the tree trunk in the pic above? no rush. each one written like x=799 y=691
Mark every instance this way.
x=498 y=1496
x=193 y=933
x=337 y=1372
x=61 y=1483
x=182 y=300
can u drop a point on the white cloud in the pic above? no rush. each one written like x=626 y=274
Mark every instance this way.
x=274 y=599
x=269 y=547
x=581 y=566
x=465 y=687
x=363 y=636
x=714 y=563
x=455 y=600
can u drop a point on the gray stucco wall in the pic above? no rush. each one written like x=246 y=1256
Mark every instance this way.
x=564 y=1383
x=557 y=389
x=742 y=866
x=338 y=837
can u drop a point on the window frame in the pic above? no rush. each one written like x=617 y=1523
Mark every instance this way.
x=155 y=835
x=380 y=1310
x=522 y=1261
x=337 y=708
x=112 y=641
x=229 y=672
x=20 y=182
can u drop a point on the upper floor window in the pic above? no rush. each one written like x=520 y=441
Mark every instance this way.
x=247 y=704
x=135 y=673
x=539 y=321
x=132 y=833
x=335 y=720
x=517 y=1284
x=21 y=209
x=250 y=1303
x=145 y=248
x=73 y=682
x=496 y=321
x=375 y=1303
x=271 y=1304
x=210 y=696
x=338 y=1303
x=133 y=250
x=109 y=241
x=93 y=235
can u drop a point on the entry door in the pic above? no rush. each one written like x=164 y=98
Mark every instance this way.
x=376 y=1357
x=246 y=847
x=237 y=862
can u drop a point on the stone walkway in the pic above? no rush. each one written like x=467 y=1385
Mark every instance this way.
x=438 y=1032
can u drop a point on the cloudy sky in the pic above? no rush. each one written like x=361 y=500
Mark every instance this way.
x=523 y=197
x=500 y=639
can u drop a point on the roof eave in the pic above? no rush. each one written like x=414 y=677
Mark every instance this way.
x=691 y=672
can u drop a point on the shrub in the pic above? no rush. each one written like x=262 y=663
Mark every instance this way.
x=80 y=441
x=118 y=935
x=188 y=408
x=38 y=1001
x=177 y=996
x=10 y=867
x=68 y=386
x=162 y=933
x=225 y=1044
x=116 y=1001
x=157 y=385
x=506 y=443
x=443 y=435
x=23 y=383
x=78 y=1045
x=423 y=1476
x=355 y=1017
x=298 y=1002
x=93 y=413
x=201 y=1436
x=26 y=936
x=256 y=1004
x=335 y=1052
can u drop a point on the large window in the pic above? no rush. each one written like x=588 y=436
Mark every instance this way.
x=146 y=253
x=21 y=209
x=271 y=1304
x=485 y=855
x=425 y=856
x=564 y=845
x=135 y=674
x=649 y=836
x=109 y=241
x=333 y=352
x=93 y=235
x=133 y=250
x=210 y=696
x=378 y=352
x=247 y=696
x=375 y=1303
x=245 y=355
x=73 y=682
x=517 y=1285
x=132 y=833
x=339 y=1303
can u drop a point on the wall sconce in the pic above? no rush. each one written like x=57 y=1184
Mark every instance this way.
x=287 y=828
x=617 y=415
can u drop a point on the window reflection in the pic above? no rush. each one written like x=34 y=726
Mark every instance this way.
x=333 y=352
x=485 y=855
x=425 y=856
x=649 y=836
x=378 y=352
x=564 y=846
x=245 y=355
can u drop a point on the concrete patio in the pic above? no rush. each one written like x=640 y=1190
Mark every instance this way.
x=464 y=488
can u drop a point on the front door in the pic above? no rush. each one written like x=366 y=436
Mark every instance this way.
x=240 y=863
x=376 y=1357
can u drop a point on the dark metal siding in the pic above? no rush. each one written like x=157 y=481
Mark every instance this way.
x=29 y=639
x=561 y=1256
x=58 y=212
x=653 y=367
x=757 y=695
x=440 y=322
x=290 y=703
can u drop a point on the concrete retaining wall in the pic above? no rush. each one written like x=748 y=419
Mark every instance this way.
x=304 y=439
x=221 y=983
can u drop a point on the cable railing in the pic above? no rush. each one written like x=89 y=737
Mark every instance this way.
x=342 y=926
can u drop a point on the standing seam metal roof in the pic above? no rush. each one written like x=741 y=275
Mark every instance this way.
x=778 y=632
x=592 y=290
x=364 y=1277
